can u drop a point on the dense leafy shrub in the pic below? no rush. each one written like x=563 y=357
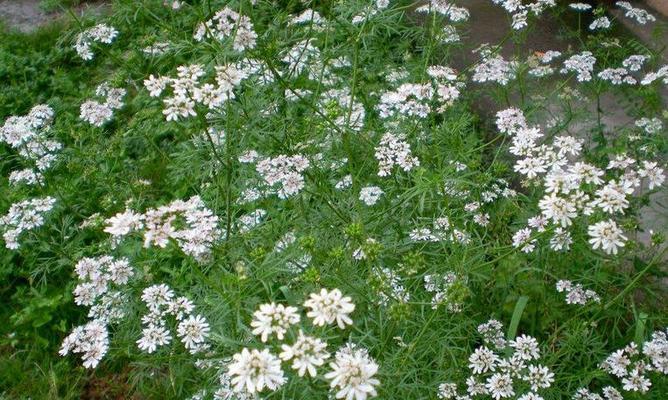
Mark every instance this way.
x=302 y=200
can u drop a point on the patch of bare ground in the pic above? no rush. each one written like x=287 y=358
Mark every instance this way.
x=28 y=15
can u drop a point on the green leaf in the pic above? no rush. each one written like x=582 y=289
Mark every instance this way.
x=641 y=320
x=517 y=315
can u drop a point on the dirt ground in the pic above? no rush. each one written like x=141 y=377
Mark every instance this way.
x=27 y=15
x=660 y=6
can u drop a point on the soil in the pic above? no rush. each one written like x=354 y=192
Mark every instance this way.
x=28 y=15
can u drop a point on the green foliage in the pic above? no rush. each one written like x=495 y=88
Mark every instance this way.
x=139 y=161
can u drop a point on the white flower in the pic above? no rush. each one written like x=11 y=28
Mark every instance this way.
x=607 y=236
x=447 y=390
x=370 y=195
x=157 y=296
x=611 y=393
x=582 y=64
x=600 y=23
x=123 y=223
x=636 y=382
x=352 y=374
x=522 y=240
x=24 y=216
x=328 y=307
x=580 y=6
x=539 y=377
x=152 y=337
x=91 y=340
x=526 y=347
x=306 y=354
x=558 y=209
x=193 y=331
x=99 y=33
x=483 y=360
x=653 y=173
x=273 y=319
x=391 y=151
x=254 y=370
x=500 y=386
x=285 y=171
x=180 y=308
x=228 y=23
x=641 y=16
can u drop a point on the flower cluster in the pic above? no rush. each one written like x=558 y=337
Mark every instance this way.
x=494 y=68
x=228 y=23
x=520 y=12
x=161 y=302
x=100 y=33
x=638 y=14
x=581 y=64
x=24 y=216
x=600 y=23
x=99 y=280
x=633 y=365
x=188 y=91
x=446 y=8
x=576 y=294
x=284 y=171
x=99 y=113
x=446 y=289
x=389 y=287
x=29 y=136
x=273 y=319
x=573 y=187
x=352 y=375
x=418 y=99
x=370 y=195
x=393 y=150
x=91 y=340
x=190 y=223
x=328 y=307
x=660 y=74
x=251 y=371
x=96 y=275
x=503 y=369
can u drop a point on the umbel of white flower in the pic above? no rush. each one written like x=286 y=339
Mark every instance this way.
x=352 y=375
x=24 y=216
x=228 y=23
x=327 y=307
x=100 y=33
x=100 y=287
x=195 y=235
x=252 y=371
x=573 y=188
x=98 y=113
x=29 y=135
x=503 y=369
x=273 y=319
x=306 y=354
x=162 y=303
